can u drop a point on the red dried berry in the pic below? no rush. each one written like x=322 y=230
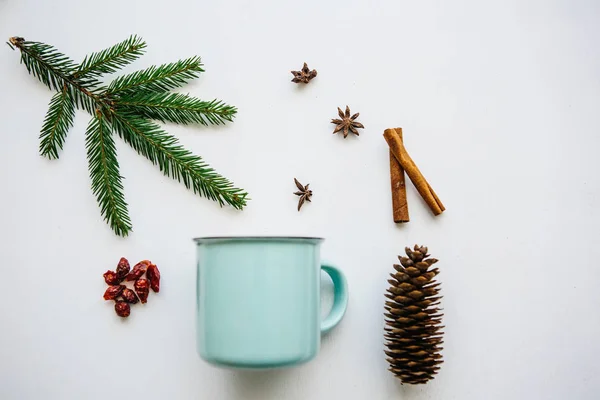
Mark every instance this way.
x=154 y=275
x=129 y=296
x=138 y=270
x=113 y=292
x=122 y=309
x=110 y=277
x=122 y=269
x=142 y=288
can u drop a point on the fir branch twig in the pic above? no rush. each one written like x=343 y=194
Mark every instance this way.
x=104 y=172
x=57 y=123
x=53 y=69
x=111 y=59
x=164 y=150
x=44 y=62
x=178 y=108
x=157 y=79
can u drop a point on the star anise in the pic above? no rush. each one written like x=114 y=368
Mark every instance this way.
x=304 y=192
x=346 y=123
x=304 y=75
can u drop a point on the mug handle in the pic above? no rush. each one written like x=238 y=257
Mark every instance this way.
x=340 y=298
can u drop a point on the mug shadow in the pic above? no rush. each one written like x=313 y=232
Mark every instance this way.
x=258 y=384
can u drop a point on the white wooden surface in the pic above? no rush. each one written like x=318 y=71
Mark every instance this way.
x=499 y=101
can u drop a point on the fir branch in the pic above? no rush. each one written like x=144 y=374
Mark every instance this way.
x=124 y=108
x=164 y=150
x=157 y=79
x=57 y=123
x=178 y=108
x=54 y=69
x=111 y=59
x=104 y=173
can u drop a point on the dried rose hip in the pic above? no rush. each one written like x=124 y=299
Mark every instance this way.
x=122 y=269
x=110 y=277
x=113 y=292
x=122 y=309
x=129 y=296
x=154 y=275
x=138 y=270
x=142 y=288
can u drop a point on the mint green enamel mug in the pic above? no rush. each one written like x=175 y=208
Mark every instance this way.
x=259 y=301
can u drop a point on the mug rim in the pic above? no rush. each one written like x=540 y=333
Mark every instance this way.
x=211 y=238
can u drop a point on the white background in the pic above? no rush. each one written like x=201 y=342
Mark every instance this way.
x=500 y=105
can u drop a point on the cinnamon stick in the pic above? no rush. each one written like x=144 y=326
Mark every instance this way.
x=397 y=148
x=399 y=202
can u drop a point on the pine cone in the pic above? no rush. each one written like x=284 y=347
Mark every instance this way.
x=413 y=320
